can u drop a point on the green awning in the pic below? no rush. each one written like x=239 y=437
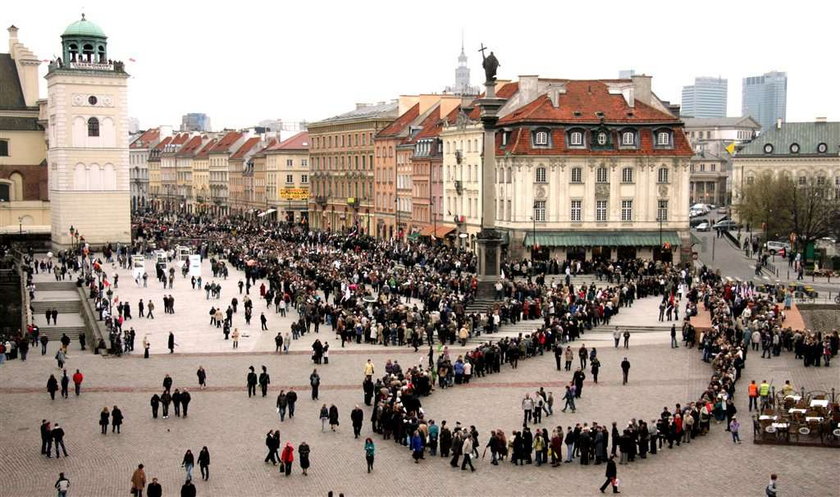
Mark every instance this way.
x=601 y=238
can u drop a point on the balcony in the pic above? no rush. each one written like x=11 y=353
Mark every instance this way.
x=321 y=200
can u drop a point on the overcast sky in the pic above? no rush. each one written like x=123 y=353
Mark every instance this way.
x=248 y=61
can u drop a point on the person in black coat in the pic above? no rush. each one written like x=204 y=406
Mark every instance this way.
x=204 y=462
x=185 y=401
x=251 y=381
x=154 y=489
x=167 y=382
x=612 y=474
x=155 y=403
x=116 y=419
x=357 y=416
x=65 y=384
x=188 y=490
x=333 y=417
x=264 y=380
x=170 y=343
x=368 y=389
x=52 y=386
x=103 y=420
x=176 y=402
x=166 y=399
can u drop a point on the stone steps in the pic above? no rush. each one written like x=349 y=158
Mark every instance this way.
x=55 y=286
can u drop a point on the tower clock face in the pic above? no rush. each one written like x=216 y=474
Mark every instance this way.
x=92 y=100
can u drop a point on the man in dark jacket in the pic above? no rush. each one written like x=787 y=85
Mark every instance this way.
x=291 y=398
x=264 y=380
x=251 y=381
x=612 y=473
x=185 y=401
x=188 y=490
x=625 y=370
x=57 y=435
x=155 y=403
x=154 y=489
x=357 y=416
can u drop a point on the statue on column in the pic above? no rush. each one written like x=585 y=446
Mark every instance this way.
x=490 y=64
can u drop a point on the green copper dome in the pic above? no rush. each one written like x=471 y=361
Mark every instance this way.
x=84 y=28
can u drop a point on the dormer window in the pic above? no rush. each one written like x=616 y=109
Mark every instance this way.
x=505 y=138
x=663 y=138
x=628 y=138
x=602 y=138
x=576 y=138
x=541 y=138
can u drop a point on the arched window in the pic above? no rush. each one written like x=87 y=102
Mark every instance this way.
x=88 y=53
x=93 y=126
x=74 y=52
x=17 y=185
x=662 y=176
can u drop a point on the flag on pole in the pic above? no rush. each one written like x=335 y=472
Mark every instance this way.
x=731 y=148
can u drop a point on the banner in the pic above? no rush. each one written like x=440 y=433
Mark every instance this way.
x=294 y=193
x=138 y=266
x=195 y=265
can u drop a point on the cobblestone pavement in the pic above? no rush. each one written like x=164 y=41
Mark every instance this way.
x=233 y=427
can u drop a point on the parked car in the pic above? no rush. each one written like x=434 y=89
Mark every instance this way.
x=726 y=224
x=704 y=226
x=776 y=246
x=722 y=209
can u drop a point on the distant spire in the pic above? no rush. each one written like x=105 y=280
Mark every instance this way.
x=462 y=40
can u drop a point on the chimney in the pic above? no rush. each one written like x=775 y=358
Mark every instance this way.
x=12 y=38
x=641 y=88
x=779 y=123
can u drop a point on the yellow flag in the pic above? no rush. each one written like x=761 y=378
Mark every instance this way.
x=731 y=148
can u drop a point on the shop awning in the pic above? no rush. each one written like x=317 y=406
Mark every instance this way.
x=601 y=238
x=442 y=231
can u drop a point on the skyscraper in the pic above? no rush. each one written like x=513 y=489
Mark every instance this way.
x=705 y=98
x=765 y=98
x=195 y=121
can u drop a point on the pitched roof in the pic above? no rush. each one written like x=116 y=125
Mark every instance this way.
x=205 y=150
x=191 y=147
x=431 y=125
x=11 y=93
x=246 y=147
x=382 y=110
x=163 y=143
x=298 y=142
x=19 y=123
x=586 y=101
x=519 y=143
x=396 y=127
x=146 y=139
x=271 y=143
x=225 y=142
x=721 y=122
x=508 y=90
x=807 y=135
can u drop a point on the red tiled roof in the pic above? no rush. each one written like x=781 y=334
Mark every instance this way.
x=298 y=142
x=246 y=147
x=271 y=143
x=146 y=139
x=190 y=148
x=180 y=138
x=506 y=91
x=399 y=125
x=224 y=143
x=586 y=98
x=163 y=143
x=205 y=151
x=431 y=125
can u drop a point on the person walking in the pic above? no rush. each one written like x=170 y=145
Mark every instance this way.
x=52 y=386
x=734 y=427
x=235 y=337
x=103 y=420
x=674 y=344
x=527 y=409
x=166 y=399
x=282 y=404
x=315 y=383
x=625 y=370
x=176 y=402
x=204 y=463
x=612 y=476
x=626 y=339
x=291 y=398
x=467 y=451
x=57 y=436
x=154 y=489
x=771 y=490
x=60 y=357
x=287 y=457
x=46 y=439
x=78 y=378
x=617 y=336
x=155 y=403
x=595 y=364
x=251 y=380
x=569 y=397
x=333 y=417
x=264 y=381
x=62 y=485
x=65 y=384
x=170 y=343
x=324 y=416
x=138 y=481
x=116 y=419
x=187 y=489
x=357 y=416
x=303 y=452
x=185 y=401
x=370 y=451
x=202 y=377
x=188 y=463
x=272 y=443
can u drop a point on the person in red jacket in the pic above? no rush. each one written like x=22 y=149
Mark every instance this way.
x=78 y=378
x=287 y=457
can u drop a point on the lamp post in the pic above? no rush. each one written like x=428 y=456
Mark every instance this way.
x=20 y=224
x=72 y=232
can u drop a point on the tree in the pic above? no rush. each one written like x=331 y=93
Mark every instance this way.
x=810 y=210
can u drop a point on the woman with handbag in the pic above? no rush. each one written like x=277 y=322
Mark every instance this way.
x=287 y=457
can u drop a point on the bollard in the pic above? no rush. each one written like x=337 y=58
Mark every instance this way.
x=803 y=392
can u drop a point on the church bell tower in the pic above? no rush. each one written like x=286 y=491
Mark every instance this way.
x=88 y=141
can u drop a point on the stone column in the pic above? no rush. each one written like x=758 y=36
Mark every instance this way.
x=489 y=240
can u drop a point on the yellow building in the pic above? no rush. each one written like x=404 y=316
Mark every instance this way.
x=287 y=178
x=201 y=177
